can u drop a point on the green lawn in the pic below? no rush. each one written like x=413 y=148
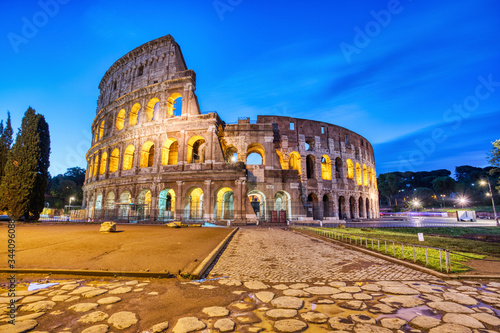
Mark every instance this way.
x=462 y=249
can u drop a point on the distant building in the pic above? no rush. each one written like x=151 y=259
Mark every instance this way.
x=155 y=156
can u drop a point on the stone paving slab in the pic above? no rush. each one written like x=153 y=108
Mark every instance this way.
x=269 y=309
x=280 y=255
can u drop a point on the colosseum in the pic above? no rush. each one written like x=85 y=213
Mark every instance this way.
x=155 y=156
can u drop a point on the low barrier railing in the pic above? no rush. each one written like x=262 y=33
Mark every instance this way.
x=425 y=255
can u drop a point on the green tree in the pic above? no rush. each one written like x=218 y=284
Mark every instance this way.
x=443 y=185
x=26 y=172
x=388 y=186
x=494 y=159
x=5 y=144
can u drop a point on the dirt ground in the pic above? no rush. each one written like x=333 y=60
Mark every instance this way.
x=132 y=248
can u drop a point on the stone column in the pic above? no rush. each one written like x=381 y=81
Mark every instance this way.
x=179 y=201
x=207 y=201
x=121 y=153
x=108 y=160
x=238 y=200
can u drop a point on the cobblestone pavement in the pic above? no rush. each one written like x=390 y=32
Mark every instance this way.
x=125 y=305
x=276 y=255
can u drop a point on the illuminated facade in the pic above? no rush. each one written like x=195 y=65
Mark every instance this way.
x=156 y=157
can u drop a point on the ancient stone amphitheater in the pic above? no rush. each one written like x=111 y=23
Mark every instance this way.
x=156 y=157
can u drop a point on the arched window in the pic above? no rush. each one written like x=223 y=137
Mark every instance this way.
x=350 y=169
x=166 y=204
x=120 y=119
x=374 y=176
x=147 y=155
x=196 y=150
x=255 y=154
x=169 y=152
x=193 y=204
x=326 y=168
x=370 y=175
x=338 y=167
x=358 y=174
x=91 y=167
x=309 y=145
x=128 y=157
x=152 y=108
x=101 y=130
x=224 y=201
x=134 y=114
x=96 y=164
x=294 y=161
x=114 y=160
x=365 y=175
x=231 y=154
x=310 y=167
x=104 y=160
x=140 y=70
x=174 y=105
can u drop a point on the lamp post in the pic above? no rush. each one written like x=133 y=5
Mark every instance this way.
x=484 y=182
x=442 y=198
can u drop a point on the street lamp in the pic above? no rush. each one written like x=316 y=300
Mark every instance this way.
x=416 y=203
x=442 y=198
x=484 y=182
x=462 y=201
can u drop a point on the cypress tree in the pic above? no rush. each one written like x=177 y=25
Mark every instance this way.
x=5 y=144
x=26 y=172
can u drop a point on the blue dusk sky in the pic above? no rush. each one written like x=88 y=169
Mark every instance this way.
x=419 y=79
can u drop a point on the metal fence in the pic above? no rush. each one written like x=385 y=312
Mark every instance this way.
x=425 y=255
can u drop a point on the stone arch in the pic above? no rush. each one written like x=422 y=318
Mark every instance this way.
x=350 y=169
x=98 y=205
x=341 y=208
x=101 y=129
x=365 y=175
x=120 y=119
x=224 y=204
x=294 y=161
x=309 y=144
x=258 y=203
x=174 y=104
x=196 y=149
x=359 y=181
x=361 y=207
x=328 y=206
x=326 y=167
x=114 y=159
x=143 y=204
x=91 y=167
x=104 y=160
x=313 y=206
x=170 y=152
x=283 y=202
x=134 y=114
x=128 y=157
x=310 y=166
x=231 y=154
x=152 y=108
x=256 y=148
x=166 y=204
x=109 y=204
x=147 y=154
x=96 y=164
x=352 y=207
x=338 y=168
x=193 y=204
x=91 y=205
